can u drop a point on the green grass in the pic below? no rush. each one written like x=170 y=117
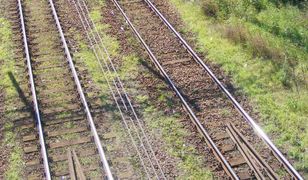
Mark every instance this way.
x=265 y=51
x=287 y=22
x=173 y=133
x=7 y=66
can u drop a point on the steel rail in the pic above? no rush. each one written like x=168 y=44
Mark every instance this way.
x=34 y=96
x=257 y=128
x=232 y=128
x=197 y=122
x=82 y=96
x=246 y=154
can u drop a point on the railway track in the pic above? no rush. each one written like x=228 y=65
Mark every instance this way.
x=63 y=141
x=131 y=122
x=226 y=127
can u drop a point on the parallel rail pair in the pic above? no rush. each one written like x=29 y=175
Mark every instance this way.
x=79 y=88
x=227 y=167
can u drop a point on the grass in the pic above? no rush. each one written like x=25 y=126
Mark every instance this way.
x=190 y=165
x=173 y=133
x=7 y=66
x=264 y=48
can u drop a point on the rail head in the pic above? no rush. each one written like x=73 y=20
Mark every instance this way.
x=248 y=118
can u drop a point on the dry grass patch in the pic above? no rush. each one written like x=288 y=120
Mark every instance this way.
x=258 y=44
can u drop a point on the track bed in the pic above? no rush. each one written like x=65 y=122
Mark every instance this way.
x=65 y=124
x=214 y=110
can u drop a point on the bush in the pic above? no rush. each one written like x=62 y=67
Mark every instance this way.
x=293 y=2
x=260 y=4
x=210 y=8
x=224 y=9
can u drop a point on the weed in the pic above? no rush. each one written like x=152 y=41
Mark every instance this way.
x=260 y=46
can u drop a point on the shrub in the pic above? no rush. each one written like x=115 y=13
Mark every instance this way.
x=224 y=9
x=210 y=8
x=260 y=4
x=293 y=2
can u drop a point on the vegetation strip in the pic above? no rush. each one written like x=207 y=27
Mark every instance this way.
x=116 y=80
x=10 y=144
x=257 y=74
